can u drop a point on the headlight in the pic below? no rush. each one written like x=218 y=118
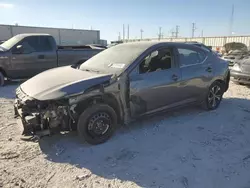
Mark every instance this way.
x=236 y=67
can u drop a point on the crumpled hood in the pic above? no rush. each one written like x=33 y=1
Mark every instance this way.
x=59 y=82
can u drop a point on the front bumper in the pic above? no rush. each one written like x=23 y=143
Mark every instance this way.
x=240 y=77
x=30 y=122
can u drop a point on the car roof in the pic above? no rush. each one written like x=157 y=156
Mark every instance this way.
x=148 y=44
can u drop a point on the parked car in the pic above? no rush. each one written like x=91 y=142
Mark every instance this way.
x=26 y=55
x=233 y=56
x=241 y=71
x=119 y=85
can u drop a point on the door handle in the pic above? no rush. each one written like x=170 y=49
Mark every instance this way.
x=175 y=77
x=209 y=69
x=40 y=56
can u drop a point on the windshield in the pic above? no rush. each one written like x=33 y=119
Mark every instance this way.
x=114 y=60
x=11 y=42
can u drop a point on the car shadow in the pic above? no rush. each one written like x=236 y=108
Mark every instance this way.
x=8 y=91
x=178 y=149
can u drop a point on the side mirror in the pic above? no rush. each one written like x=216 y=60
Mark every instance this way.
x=18 y=49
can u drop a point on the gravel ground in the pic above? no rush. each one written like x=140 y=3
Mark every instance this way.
x=181 y=149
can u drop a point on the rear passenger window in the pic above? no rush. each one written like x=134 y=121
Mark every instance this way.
x=45 y=44
x=189 y=57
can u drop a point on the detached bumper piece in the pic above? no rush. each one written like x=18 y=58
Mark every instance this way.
x=240 y=77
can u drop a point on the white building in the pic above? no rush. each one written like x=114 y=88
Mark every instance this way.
x=62 y=36
x=215 y=42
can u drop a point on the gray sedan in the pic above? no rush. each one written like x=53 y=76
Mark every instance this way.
x=119 y=85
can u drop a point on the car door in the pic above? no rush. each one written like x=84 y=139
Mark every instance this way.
x=31 y=59
x=196 y=71
x=47 y=57
x=23 y=57
x=154 y=82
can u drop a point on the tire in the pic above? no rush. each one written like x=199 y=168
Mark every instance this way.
x=1 y=79
x=214 y=96
x=94 y=116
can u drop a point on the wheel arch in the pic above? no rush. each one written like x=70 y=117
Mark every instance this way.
x=106 y=98
x=222 y=82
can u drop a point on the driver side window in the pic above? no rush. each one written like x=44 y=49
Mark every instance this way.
x=160 y=59
x=29 y=45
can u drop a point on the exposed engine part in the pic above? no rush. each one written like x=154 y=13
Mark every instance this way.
x=56 y=116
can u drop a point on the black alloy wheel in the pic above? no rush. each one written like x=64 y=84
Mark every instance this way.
x=214 y=96
x=97 y=123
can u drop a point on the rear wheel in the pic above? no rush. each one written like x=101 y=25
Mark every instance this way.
x=97 y=123
x=1 y=79
x=214 y=96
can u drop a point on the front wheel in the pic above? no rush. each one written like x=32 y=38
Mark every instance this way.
x=97 y=123
x=214 y=96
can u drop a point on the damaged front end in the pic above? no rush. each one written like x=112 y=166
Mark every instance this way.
x=42 y=117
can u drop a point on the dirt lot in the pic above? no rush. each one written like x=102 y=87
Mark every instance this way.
x=186 y=148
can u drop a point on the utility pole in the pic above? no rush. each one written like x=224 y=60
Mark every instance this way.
x=193 y=29
x=159 y=33
x=231 y=21
x=173 y=34
x=141 y=33
x=177 y=31
x=119 y=36
x=123 y=33
x=128 y=32
x=202 y=33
